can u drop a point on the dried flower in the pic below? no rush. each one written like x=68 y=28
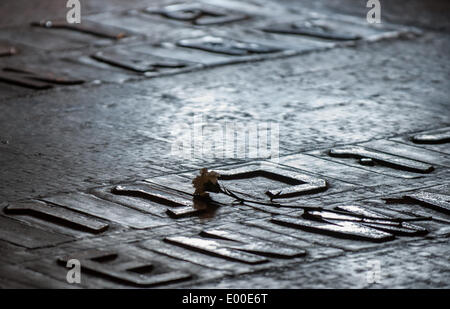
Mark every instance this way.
x=206 y=181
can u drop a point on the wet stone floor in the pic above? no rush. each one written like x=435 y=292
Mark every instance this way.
x=335 y=132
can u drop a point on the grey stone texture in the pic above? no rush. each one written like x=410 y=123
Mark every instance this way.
x=66 y=147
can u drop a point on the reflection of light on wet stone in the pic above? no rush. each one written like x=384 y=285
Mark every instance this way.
x=215 y=247
x=341 y=229
x=366 y=161
x=437 y=137
x=207 y=98
x=381 y=157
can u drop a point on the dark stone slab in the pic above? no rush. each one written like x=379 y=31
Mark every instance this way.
x=57 y=215
x=28 y=236
x=207 y=263
x=188 y=55
x=314 y=28
x=336 y=190
x=116 y=266
x=262 y=232
x=214 y=247
x=226 y=250
x=138 y=62
x=436 y=138
x=34 y=80
x=227 y=46
x=153 y=194
x=95 y=71
x=187 y=211
x=94 y=206
x=336 y=170
x=382 y=222
x=143 y=196
x=197 y=13
x=382 y=158
x=180 y=206
x=108 y=242
x=154 y=199
x=344 y=230
x=333 y=197
x=411 y=152
x=441 y=136
x=318 y=242
x=86 y=26
x=298 y=183
x=128 y=252
x=436 y=201
x=255 y=245
x=406 y=211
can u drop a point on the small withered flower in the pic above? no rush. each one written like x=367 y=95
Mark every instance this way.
x=206 y=182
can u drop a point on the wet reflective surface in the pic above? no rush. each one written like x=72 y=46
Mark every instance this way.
x=92 y=115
